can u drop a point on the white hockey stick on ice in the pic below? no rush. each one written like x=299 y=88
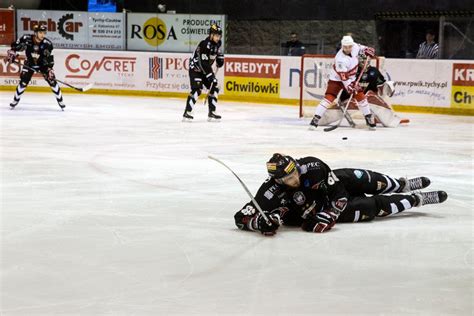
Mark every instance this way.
x=265 y=217
x=84 y=89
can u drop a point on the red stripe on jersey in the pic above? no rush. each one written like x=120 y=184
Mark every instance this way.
x=344 y=75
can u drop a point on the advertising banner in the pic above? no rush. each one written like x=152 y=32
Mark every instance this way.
x=7 y=26
x=72 y=29
x=420 y=82
x=315 y=77
x=441 y=84
x=169 y=32
x=462 y=92
x=252 y=77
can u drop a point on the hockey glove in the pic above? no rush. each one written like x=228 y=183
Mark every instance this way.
x=220 y=60
x=211 y=80
x=369 y=52
x=11 y=56
x=321 y=222
x=353 y=88
x=268 y=229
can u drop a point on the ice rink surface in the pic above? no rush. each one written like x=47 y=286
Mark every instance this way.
x=112 y=207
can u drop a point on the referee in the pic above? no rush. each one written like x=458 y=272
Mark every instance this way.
x=428 y=49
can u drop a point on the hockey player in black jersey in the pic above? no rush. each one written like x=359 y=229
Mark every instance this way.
x=201 y=73
x=306 y=192
x=38 y=50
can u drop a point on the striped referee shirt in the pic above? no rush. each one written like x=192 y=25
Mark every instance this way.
x=427 y=51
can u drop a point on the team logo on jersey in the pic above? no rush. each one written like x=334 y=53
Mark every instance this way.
x=299 y=198
x=358 y=174
x=155 y=68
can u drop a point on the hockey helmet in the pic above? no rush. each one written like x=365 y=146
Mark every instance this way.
x=40 y=28
x=347 y=40
x=281 y=168
x=215 y=29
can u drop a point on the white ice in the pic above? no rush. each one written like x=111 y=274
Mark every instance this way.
x=112 y=207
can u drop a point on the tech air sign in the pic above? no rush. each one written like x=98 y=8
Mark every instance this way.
x=76 y=29
x=252 y=77
x=462 y=92
x=169 y=32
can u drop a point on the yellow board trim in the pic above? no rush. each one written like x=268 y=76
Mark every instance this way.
x=266 y=100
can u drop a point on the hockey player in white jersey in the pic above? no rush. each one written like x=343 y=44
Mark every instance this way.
x=343 y=75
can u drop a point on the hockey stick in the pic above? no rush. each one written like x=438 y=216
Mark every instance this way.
x=88 y=87
x=265 y=217
x=347 y=116
x=331 y=128
x=212 y=86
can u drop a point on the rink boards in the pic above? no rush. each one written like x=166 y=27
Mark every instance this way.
x=437 y=86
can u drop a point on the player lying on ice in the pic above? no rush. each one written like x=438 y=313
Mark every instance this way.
x=375 y=87
x=306 y=192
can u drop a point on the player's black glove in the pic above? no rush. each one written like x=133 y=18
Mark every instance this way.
x=211 y=80
x=320 y=222
x=268 y=229
x=220 y=60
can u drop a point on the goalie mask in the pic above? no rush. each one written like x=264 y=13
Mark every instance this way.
x=284 y=169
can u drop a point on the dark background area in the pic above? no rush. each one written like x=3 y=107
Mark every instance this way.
x=395 y=28
x=277 y=9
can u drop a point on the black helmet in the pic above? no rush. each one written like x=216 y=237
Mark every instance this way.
x=40 y=28
x=215 y=29
x=280 y=166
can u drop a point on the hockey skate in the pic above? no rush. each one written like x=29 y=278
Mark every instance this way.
x=13 y=104
x=407 y=185
x=314 y=122
x=187 y=117
x=434 y=197
x=370 y=120
x=61 y=105
x=213 y=117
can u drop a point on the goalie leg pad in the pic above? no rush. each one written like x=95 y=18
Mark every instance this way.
x=364 y=107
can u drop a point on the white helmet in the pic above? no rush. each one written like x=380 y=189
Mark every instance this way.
x=347 y=40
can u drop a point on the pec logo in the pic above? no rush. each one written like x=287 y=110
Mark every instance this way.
x=155 y=68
